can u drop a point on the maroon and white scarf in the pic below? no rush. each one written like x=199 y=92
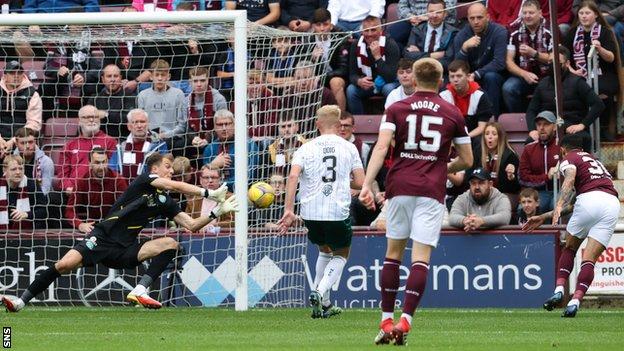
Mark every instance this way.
x=22 y=205
x=133 y=156
x=363 y=61
x=579 y=45
x=198 y=123
x=539 y=45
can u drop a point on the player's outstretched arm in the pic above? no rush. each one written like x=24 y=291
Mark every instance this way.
x=190 y=189
x=464 y=158
x=195 y=224
x=536 y=221
x=367 y=198
x=289 y=216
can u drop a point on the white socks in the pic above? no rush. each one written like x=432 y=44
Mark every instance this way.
x=407 y=317
x=386 y=315
x=321 y=262
x=574 y=302
x=138 y=290
x=559 y=289
x=332 y=273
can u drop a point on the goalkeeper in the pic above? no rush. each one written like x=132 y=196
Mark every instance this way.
x=113 y=241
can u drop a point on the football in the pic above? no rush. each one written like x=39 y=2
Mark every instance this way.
x=261 y=194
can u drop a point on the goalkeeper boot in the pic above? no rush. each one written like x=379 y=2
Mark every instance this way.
x=12 y=306
x=144 y=300
x=400 y=331
x=571 y=309
x=385 y=330
x=315 y=302
x=331 y=310
x=553 y=301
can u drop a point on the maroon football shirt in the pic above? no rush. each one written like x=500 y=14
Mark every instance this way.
x=424 y=126
x=591 y=175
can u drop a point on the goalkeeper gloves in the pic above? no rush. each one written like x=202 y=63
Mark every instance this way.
x=229 y=205
x=218 y=195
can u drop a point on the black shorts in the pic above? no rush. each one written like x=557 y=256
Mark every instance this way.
x=335 y=234
x=111 y=255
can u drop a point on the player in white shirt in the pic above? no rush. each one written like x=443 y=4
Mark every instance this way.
x=326 y=166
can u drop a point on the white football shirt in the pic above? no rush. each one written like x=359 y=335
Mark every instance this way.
x=325 y=180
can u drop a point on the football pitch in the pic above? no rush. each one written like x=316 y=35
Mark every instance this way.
x=128 y=328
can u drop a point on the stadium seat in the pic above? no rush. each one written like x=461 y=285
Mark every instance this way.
x=57 y=130
x=392 y=14
x=515 y=126
x=367 y=127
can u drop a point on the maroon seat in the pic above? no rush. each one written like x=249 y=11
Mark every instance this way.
x=56 y=131
x=392 y=14
x=367 y=127
x=515 y=126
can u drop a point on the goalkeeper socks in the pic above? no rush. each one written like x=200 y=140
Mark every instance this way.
x=321 y=262
x=565 y=265
x=415 y=287
x=389 y=286
x=584 y=280
x=333 y=271
x=40 y=283
x=157 y=266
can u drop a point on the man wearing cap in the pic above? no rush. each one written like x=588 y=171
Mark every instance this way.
x=539 y=159
x=20 y=104
x=482 y=206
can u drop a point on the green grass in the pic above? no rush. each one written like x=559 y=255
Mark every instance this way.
x=120 y=329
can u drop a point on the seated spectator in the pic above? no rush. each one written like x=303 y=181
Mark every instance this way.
x=183 y=171
x=467 y=95
x=407 y=87
x=281 y=61
x=204 y=101
x=129 y=156
x=482 y=206
x=22 y=204
x=262 y=107
x=219 y=154
x=43 y=6
x=95 y=193
x=564 y=14
x=373 y=64
x=347 y=127
x=497 y=157
x=528 y=57
x=538 y=162
x=167 y=107
x=198 y=206
x=37 y=165
x=504 y=13
x=337 y=69
x=268 y=217
x=350 y=15
x=593 y=29
x=530 y=205
x=20 y=105
x=265 y=12
x=283 y=148
x=115 y=101
x=415 y=12
x=432 y=38
x=483 y=45
x=582 y=104
x=296 y=14
x=74 y=160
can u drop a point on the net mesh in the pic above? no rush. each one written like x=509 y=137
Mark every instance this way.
x=112 y=68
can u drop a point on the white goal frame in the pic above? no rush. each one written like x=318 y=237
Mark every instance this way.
x=239 y=18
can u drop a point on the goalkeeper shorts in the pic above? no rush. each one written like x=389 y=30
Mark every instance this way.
x=96 y=250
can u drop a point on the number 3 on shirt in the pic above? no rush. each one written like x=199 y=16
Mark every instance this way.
x=425 y=132
x=331 y=169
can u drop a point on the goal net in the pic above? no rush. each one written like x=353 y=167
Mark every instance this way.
x=183 y=70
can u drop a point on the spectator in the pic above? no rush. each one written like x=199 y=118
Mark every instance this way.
x=95 y=192
x=564 y=14
x=350 y=15
x=201 y=5
x=265 y=12
x=225 y=69
x=337 y=67
x=604 y=6
x=483 y=44
x=538 y=162
x=183 y=171
x=37 y=165
x=268 y=217
x=296 y=14
x=49 y=6
x=373 y=64
x=347 y=127
x=115 y=101
x=615 y=18
x=262 y=107
x=209 y=179
x=482 y=206
x=530 y=205
x=407 y=87
x=590 y=28
x=528 y=57
x=504 y=13
x=467 y=95
x=74 y=160
x=139 y=145
x=219 y=154
x=582 y=105
x=167 y=107
x=415 y=12
x=496 y=156
x=204 y=101
x=22 y=204
x=281 y=61
x=283 y=148
x=20 y=104
x=432 y=38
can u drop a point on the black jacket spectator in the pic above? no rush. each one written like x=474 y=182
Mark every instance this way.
x=291 y=10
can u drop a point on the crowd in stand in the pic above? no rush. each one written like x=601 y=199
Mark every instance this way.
x=135 y=98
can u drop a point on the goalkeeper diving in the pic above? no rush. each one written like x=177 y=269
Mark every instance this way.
x=113 y=241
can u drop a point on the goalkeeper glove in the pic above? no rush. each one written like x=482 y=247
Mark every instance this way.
x=218 y=195
x=229 y=205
